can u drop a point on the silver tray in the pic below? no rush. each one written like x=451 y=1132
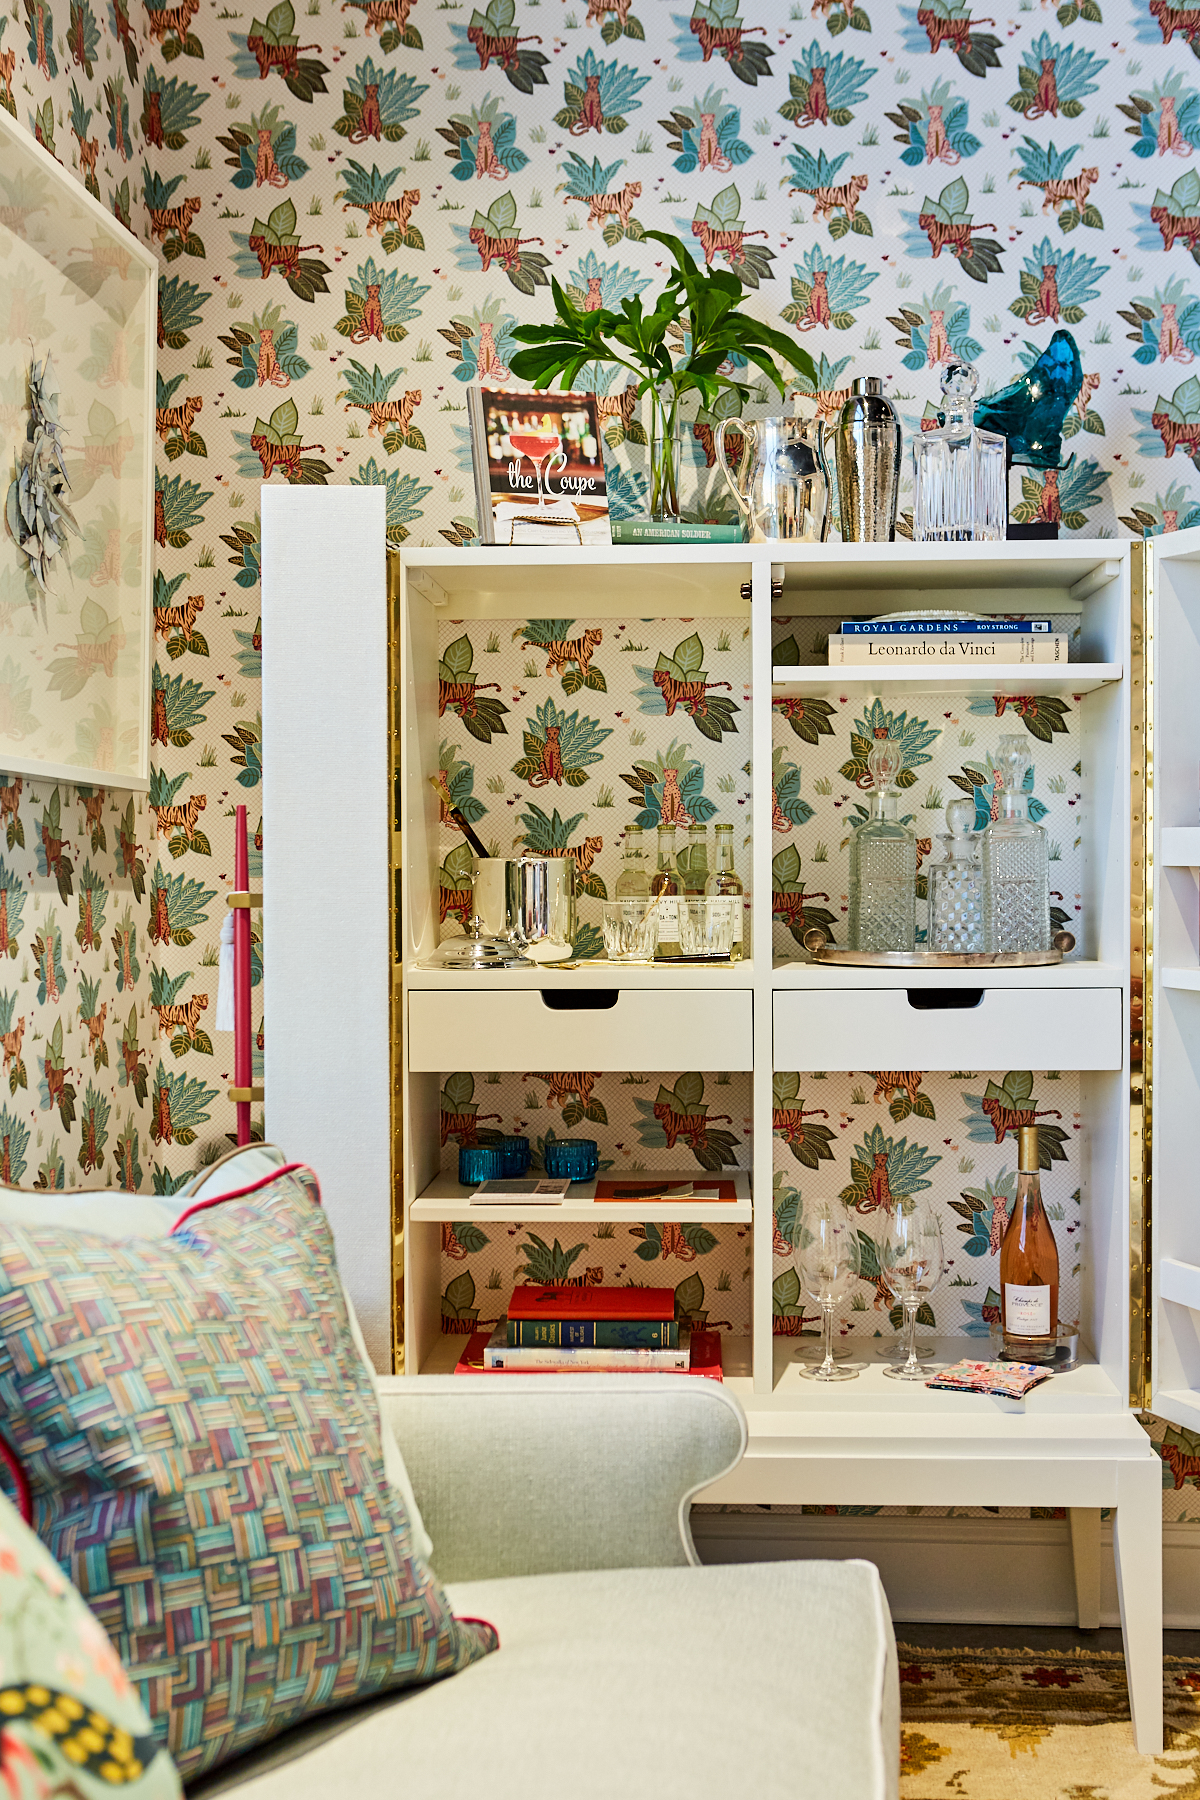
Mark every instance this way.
x=821 y=950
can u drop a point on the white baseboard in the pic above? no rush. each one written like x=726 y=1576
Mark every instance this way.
x=958 y=1570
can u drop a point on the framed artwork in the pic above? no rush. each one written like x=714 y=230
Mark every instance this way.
x=77 y=393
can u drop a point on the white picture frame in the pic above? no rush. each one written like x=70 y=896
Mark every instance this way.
x=75 y=666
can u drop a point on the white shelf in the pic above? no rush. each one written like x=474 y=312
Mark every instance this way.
x=1001 y=678
x=568 y=976
x=1181 y=978
x=1180 y=847
x=1085 y=1390
x=1078 y=973
x=447 y=1199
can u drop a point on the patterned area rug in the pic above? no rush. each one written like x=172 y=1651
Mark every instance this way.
x=1020 y=1725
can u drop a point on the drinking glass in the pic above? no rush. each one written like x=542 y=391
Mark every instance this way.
x=827 y=1263
x=706 y=926
x=912 y=1262
x=538 y=443
x=630 y=930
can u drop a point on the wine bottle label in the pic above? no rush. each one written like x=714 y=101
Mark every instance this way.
x=668 y=919
x=1026 y=1310
x=737 y=921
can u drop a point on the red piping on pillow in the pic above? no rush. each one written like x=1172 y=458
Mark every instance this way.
x=20 y=1480
x=466 y=1619
x=240 y=1193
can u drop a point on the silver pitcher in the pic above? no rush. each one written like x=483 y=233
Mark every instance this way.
x=782 y=480
x=529 y=901
x=867 y=441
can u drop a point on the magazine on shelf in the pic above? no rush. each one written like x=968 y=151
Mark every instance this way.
x=539 y=467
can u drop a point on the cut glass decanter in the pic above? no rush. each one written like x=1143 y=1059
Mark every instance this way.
x=956 y=886
x=959 y=492
x=883 y=865
x=1016 y=880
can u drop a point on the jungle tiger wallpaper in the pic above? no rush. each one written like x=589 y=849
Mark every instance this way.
x=354 y=203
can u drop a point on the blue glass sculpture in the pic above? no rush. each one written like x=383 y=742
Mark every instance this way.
x=1030 y=412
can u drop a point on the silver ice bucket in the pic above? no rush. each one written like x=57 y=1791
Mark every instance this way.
x=529 y=900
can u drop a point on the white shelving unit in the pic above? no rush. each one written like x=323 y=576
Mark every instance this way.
x=1075 y=1442
x=1174 y=1013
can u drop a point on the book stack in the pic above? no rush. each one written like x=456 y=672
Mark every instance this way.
x=939 y=643
x=592 y=1330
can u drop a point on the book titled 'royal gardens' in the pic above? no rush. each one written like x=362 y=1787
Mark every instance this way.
x=539 y=467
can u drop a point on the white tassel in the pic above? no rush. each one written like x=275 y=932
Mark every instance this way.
x=224 y=1018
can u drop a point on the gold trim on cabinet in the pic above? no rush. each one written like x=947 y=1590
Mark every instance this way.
x=396 y=999
x=1141 y=1035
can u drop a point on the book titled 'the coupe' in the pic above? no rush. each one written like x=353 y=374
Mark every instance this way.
x=539 y=467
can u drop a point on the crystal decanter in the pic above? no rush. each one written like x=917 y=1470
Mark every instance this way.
x=959 y=491
x=956 y=886
x=1016 y=880
x=883 y=865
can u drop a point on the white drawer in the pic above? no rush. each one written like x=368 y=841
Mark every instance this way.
x=1010 y=1028
x=644 y=1028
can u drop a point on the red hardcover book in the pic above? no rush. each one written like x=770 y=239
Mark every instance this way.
x=705 y=1359
x=536 y=1302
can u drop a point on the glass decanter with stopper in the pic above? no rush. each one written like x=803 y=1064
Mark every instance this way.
x=883 y=865
x=956 y=886
x=1016 y=869
x=959 y=478
x=666 y=887
x=633 y=883
x=726 y=882
x=1029 y=1261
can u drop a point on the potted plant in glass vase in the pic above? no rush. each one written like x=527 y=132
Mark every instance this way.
x=718 y=338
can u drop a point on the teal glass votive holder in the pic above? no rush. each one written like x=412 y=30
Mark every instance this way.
x=516 y=1154
x=478 y=1163
x=575 y=1158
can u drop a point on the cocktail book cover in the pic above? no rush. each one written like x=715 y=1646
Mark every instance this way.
x=539 y=467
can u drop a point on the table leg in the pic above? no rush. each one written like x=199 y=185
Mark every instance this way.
x=1085 y=1554
x=1137 y=1546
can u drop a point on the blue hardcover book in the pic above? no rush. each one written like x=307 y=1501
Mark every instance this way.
x=938 y=627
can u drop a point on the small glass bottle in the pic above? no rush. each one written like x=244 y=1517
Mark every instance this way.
x=956 y=886
x=693 y=861
x=725 y=880
x=959 y=479
x=633 y=883
x=1016 y=869
x=1028 y=1260
x=666 y=887
x=883 y=865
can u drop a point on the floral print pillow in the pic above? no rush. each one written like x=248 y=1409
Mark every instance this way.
x=70 y=1722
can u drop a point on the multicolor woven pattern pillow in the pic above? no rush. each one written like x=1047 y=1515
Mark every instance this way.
x=202 y=1442
x=70 y=1723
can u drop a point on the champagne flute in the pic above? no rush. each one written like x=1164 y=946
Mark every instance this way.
x=827 y=1262
x=912 y=1262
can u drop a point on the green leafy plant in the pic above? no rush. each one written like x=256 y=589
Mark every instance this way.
x=717 y=337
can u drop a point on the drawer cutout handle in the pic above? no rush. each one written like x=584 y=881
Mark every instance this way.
x=582 y=1000
x=944 y=999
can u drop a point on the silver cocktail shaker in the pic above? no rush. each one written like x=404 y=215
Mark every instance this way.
x=867 y=452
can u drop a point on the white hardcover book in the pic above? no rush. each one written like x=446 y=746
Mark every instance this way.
x=497 y=1354
x=947 y=650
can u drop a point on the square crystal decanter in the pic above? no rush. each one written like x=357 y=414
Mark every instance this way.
x=883 y=865
x=1016 y=871
x=956 y=886
x=959 y=479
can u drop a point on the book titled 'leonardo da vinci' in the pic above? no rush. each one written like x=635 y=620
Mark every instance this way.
x=539 y=467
